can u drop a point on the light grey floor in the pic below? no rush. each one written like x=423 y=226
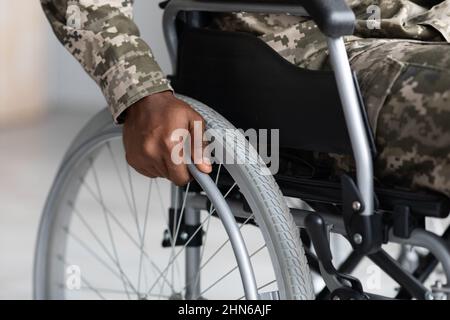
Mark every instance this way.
x=29 y=158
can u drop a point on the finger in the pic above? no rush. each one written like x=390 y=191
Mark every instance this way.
x=197 y=130
x=154 y=167
x=151 y=158
x=157 y=167
x=178 y=174
x=206 y=165
x=136 y=164
x=145 y=172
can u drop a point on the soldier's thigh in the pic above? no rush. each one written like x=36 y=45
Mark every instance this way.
x=413 y=128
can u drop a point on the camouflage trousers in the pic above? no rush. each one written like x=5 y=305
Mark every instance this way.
x=406 y=88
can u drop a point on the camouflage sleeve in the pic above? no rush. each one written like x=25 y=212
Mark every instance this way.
x=102 y=36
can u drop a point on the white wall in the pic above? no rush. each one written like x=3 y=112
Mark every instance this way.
x=23 y=53
x=70 y=87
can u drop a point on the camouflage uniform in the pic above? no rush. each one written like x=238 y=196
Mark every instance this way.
x=402 y=66
x=104 y=39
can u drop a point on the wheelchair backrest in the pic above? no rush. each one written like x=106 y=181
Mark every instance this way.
x=253 y=87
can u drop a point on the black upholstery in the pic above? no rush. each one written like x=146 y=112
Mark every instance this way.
x=253 y=87
x=322 y=191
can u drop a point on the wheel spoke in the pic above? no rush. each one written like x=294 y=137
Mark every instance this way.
x=83 y=280
x=144 y=232
x=119 y=176
x=108 y=251
x=192 y=237
x=178 y=226
x=207 y=227
x=113 y=216
x=122 y=227
x=180 y=251
x=261 y=287
x=136 y=220
x=197 y=276
x=108 y=224
x=126 y=232
x=102 y=245
x=133 y=202
x=221 y=247
x=115 y=291
x=211 y=211
x=173 y=236
x=82 y=244
x=267 y=284
x=135 y=243
x=228 y=273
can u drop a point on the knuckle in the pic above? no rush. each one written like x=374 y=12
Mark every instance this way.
x=197 y=116
x=181 y=177
x=148 y=149
x=181 y=182
x=185 y=178
x=168 y=142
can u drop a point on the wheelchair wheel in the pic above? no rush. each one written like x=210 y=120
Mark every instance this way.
x=110 y=233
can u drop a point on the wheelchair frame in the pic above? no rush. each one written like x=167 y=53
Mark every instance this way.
x=344 y=78
x=362 y=205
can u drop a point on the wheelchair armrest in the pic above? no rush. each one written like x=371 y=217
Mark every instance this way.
x=333 y=17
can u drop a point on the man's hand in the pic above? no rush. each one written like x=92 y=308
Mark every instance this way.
x=147 y=134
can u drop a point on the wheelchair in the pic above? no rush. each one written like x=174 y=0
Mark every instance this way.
x=232 y=234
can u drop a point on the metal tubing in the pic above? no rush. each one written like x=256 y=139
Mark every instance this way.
x=419 y=237
x=354 y=121
x=437 y=246
x=192 y=218
x=338 y=55
x=233 y=232
x=176 y=6
x=395 y=271
x=335 y=223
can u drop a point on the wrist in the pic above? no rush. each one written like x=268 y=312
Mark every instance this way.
x=148 y=101
x=157 y=97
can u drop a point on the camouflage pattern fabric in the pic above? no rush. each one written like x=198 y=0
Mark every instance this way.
x=402 y=63
x=102 y=36
x=299 y=41
x=403 y=69
x=413 y=130
x=413 y=124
